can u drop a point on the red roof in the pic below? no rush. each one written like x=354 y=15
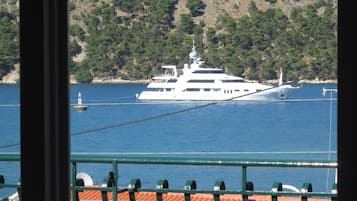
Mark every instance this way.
x=149 y=196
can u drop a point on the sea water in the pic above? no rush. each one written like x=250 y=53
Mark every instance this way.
x=304 y=127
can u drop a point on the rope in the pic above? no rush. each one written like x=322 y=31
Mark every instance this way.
x=162 y=115
x=151 y=118
x=141 y=120
x=9 y=145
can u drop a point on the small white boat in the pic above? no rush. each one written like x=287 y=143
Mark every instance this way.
x=209 y=84
x=80 y=106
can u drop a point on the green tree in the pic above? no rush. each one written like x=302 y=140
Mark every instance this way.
x=160 y=13
x=211 y=35
x=103 y=41
x=186 y=24
x=129 y=6
x=77 y=31
x=74 y=48
x=226 y=22
x=196 y=7
x=82 y=71
x=9 y=42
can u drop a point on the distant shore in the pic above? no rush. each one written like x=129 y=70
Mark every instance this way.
x=143 y=81
x=14 y=77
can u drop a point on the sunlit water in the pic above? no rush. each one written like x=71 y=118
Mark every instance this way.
x=298 y=128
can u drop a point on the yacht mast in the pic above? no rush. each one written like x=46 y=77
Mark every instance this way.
x=281 y=77
x=193 y=54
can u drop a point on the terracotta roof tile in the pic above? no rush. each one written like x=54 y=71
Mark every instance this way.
x=149 y=196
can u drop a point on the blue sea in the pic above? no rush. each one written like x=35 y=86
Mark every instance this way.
x=302 y=127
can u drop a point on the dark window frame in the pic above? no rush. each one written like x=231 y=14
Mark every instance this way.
x=44 y=98
x=35 y=166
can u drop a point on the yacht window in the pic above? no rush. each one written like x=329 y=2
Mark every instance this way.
x=246 y=89
x=192 y=89
x=232 y=81
x=172 y=80
x=209 y=71
x=201 y=81
x=207 y=89
x=259 y=90
x=236 y=90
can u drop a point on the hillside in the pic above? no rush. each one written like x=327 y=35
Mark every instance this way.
x=213 y=9
x=237 y=8
x=127 y=40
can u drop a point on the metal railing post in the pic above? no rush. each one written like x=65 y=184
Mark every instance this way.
x=277 y=187
x=218 y=186
x=334 y=190
x=244 y=177
x=133 y=187
x=159 y=196
x=249 y=186
x=108 y=182
x=190 y=185
x=187 y=196
x=132 y=195
x=104 y=196
x=244 y=182
x=19 y=193
x=306 y=188
x=161 y=184
x=115 y=182
x=75 y=196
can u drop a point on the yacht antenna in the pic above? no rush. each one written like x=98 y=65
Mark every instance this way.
x=324 y=90
x=281 y=77
x=193 y=54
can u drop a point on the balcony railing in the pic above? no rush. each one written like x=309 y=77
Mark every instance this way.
x=111 y=181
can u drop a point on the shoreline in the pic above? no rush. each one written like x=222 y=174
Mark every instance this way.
x=121 y=81
x=15 y=80
x=14 y=77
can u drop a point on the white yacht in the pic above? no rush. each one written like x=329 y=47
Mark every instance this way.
x=197 y=83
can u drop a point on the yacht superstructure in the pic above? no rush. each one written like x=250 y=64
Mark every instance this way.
x=209 y=84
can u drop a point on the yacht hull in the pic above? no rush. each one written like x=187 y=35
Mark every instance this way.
x=273 y=93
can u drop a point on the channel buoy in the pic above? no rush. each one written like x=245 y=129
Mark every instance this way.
x=80 y=106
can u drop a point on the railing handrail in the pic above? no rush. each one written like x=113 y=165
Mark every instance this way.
x=120 y=159
x=117 y=159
